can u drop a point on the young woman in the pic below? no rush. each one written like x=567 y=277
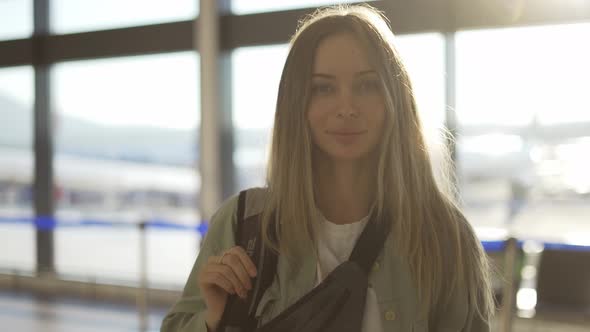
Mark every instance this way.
x=347 y=141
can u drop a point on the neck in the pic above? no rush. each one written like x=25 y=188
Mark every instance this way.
x=344 y=190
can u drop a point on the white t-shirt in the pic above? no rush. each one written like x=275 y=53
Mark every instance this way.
x=335 y=244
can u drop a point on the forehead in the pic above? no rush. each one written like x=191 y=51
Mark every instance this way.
x=340 y=53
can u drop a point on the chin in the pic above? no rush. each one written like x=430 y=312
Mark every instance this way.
x=348 y=155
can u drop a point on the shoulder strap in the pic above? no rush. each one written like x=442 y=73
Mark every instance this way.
x=370 y=243
x=239 y=315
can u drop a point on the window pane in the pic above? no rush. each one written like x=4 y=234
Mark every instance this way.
x=16 y=19
x=242 y=7
x=424 y=57
x=16 y=168
x=523 y=107
x=126 y=152
x=254 y=107
x=507 y=77
x=68 y=16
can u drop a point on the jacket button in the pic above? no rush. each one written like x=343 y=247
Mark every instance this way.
x=376 y=266
x=390 y=315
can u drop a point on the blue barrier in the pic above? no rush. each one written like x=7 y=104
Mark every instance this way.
x=94 y=223
x=45 y=223
x=166 y=225
x=493 y=246
x=565 y=246
x=201 y=228
x=15 y=220
x=49 y=223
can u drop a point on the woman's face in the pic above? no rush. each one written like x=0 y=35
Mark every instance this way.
x=346 y=112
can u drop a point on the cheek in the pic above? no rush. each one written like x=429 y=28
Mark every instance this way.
x=378 y=120
x=378 y=123
x=315 y=120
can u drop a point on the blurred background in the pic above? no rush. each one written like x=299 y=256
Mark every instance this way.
x=124 y=124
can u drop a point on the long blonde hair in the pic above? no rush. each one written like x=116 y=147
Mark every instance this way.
x=429 y=229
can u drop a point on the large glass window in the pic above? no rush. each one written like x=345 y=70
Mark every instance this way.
x=254 y=108
x=524 y=114
x=17 y=236
x=16 y=19
x=126 y=152
x=242 y=7
x=68 y=16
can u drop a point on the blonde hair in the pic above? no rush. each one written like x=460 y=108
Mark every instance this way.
x=429 y=229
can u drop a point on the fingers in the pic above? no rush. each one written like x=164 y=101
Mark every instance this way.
x=236 y=268
x=229 y=273
x=244 y=259
x=218 y=279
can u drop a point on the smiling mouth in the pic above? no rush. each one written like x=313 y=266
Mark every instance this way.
x=346 y=133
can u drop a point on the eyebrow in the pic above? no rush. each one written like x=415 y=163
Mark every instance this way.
x=360 y=73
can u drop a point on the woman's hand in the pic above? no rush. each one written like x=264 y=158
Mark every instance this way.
x=228 y=273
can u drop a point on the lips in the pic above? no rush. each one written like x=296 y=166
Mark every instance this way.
x=347 y=137
x=346 y=133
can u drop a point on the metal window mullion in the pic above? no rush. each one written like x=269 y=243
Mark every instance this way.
x=229 y=180
x=216 y=139
x=43 y=142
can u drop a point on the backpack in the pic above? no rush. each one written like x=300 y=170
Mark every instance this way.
x=336 y=304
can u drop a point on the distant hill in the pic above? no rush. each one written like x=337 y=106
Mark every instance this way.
x=16 y=124
x=133 y=143
x=144 y=144
x=84 y=138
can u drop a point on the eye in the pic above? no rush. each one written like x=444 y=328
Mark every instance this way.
x=368 y=86
x=319 y=89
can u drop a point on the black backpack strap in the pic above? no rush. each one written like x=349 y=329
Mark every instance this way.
x=239 y=315
x=240 y=212
x=370 y=243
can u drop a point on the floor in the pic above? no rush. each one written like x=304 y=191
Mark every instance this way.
x=26 y=313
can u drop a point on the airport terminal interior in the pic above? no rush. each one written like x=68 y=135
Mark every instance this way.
x=124 y=124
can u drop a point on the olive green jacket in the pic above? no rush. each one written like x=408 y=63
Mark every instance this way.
x=390 y=278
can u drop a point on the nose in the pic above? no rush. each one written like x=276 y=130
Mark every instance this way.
x=347 y=106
